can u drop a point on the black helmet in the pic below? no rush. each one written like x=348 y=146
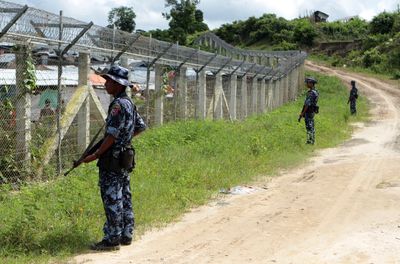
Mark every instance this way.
x=310 y=79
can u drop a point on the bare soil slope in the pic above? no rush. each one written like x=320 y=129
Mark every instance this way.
x=343 y=206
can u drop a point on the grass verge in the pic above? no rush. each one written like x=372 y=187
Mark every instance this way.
x=180 y=165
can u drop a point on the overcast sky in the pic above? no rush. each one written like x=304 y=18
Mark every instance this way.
x=216 y=12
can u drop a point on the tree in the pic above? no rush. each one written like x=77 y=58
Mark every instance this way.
x=304 y=32
x=184 y=19
x=199 y=25
x=123 y=18
x=382 y=23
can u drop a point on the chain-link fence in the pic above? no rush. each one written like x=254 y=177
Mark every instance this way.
x=53 y=102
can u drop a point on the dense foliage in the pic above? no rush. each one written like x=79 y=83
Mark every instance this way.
x=380 y=38
x=184 y=19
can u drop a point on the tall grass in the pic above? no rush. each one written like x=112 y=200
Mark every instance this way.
x=180 y=165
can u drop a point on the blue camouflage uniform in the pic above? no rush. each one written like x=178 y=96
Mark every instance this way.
x=353 y=99
x=122 y=121
x=310 y=102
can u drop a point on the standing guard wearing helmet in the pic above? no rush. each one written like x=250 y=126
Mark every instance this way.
x=353 y=98
x=116 y=160
x=310 y=108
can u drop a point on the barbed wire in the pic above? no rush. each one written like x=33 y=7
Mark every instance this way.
x=43 y=27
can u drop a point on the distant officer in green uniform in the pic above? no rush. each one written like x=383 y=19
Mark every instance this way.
x=310 y=108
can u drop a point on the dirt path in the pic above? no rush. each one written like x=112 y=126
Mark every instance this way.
x=341 y=207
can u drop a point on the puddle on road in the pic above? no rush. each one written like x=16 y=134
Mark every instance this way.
x=355 y=142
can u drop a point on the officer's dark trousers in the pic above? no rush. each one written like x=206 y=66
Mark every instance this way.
x=353 y=109
x=309 y=122
x=117 y=201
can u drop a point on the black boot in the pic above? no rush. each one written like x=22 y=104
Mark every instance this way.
x=126 y=241
x=105 y=245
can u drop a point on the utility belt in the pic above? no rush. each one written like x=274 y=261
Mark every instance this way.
x=313 y=109
x=117 y=159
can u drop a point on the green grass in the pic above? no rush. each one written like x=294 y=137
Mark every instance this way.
x=180 y=166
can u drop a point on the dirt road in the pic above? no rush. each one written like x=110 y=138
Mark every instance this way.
x=341 y=207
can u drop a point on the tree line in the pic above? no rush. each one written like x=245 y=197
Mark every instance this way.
x=184 y=18
x=380 y=37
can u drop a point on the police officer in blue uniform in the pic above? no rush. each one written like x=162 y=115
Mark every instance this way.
x=353 y=98
x=116 y=160
x=310 y=108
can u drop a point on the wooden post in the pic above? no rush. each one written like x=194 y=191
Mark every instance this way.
x=182 y=95
x=22 y=109
x=201 y=100
x=244 y=97
x=159 y=95
x=233 y=84
x=218 y=100
x=84 y=112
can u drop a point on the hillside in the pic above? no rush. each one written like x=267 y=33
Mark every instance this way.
x=374 y=45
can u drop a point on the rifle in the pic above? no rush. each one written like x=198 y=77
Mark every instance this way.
x=300 y=116
x=91 y=148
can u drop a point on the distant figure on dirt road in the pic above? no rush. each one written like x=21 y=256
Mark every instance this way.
x=310 y=108
x=353 y=98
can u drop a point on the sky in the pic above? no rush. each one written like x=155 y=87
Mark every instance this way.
x=216 y=12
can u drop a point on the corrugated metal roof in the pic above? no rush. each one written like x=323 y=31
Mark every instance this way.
x=7 y=77
x=6 y=58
